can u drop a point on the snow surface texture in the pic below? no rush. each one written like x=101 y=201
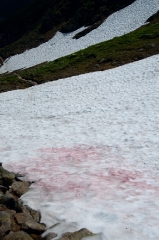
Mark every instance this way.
x=119 y=23
x=91 y=143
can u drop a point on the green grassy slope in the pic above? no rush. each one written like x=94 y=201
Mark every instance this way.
x=141 y=43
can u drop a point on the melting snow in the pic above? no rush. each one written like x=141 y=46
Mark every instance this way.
x=91 y=143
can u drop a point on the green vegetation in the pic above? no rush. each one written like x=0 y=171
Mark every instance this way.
x=134 y=46
x=12 y=82
x=139 y=44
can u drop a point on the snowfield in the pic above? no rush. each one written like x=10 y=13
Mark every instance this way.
x=119 y=23
x=91 y=143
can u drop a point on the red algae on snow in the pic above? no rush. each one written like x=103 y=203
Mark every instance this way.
x=84 y=171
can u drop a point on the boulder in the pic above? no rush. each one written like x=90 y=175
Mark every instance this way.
x=78 y=235
x=27 y=223
x=20 y=235
x=6 y=178
x=2 y=198
x=35 y=215
x=2 y=207
x=21 y=218
x=14 y=226
x=19 y=188
x=5 y=223
x=49 y=236
x=8 y=200
x=3 y=189
x=10 y=212
x=33 y=226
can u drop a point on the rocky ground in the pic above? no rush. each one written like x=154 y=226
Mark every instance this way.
x=20 y=222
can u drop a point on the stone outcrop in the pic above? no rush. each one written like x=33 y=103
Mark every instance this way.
x=78 y=235
x=17 y=221
x=20 y=222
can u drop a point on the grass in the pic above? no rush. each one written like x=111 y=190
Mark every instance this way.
x=139 y=44
x=12 y=82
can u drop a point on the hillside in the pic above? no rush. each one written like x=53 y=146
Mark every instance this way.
x=139 y=44
x=88 y=142
x=39 y=21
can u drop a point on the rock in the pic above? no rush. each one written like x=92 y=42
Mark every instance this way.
x=35 y=215
x=77 y=235
x=62 y=239
x=6 y=178
x=140 y=50
x=5 y=223
x=3 y=189
x=36 y=237
x=20 y=235
x=19 y=188
x=20 y=218
x=102 y=60
x=36 y=227
x=26 y=209
x=26 y=221
x=14 y=226
x=10 y=212
x=14 y=216
x=2 y=198
x=11 y=203
x=2 y=207
x=97 y=65
x=67 y=234
x=49 y=236
x=152 y=45
x=114 y=63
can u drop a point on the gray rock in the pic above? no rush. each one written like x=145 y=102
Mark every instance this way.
x=14 y=226
x=19 y=188
x=35 y=215
x=36 y=227
x=102 y=60
x=78 y=235
x=49 y=236
x=26 y=221
x=21 y=218
x=152 y=45
x=5 y=223
x=2 y=198
x=10 y=202
x=67 y=234
x=2 y=207
x=3 y=189
x=6 y=178
x=20 y=235
x=10 y=212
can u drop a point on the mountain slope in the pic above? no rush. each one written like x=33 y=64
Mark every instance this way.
x=40 y=21
x=90 y=145
x=117 y=24
x=134 y=46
